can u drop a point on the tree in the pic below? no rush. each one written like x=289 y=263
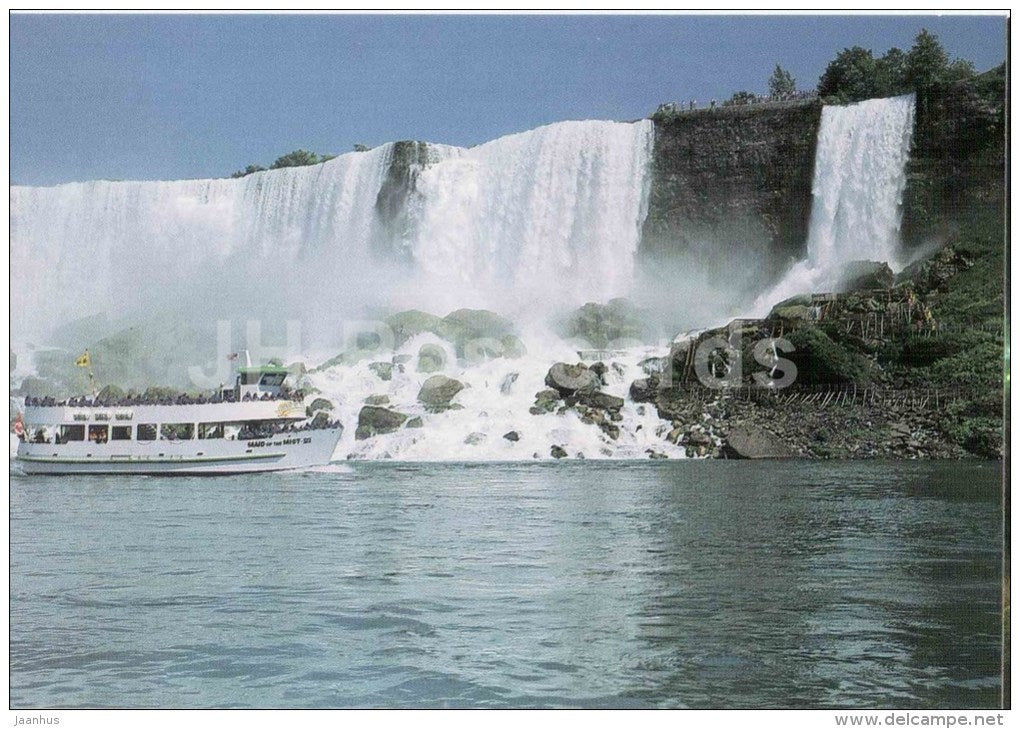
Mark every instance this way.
x=891 y=73
x=248 y=170
x=297 y=158
x=927 y=61
x=361 y=148
x=741 y=97
x=959 y=70
x=850 y=76
x=782 y=83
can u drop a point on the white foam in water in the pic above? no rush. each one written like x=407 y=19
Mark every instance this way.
x=494 y=403
x=859 y=178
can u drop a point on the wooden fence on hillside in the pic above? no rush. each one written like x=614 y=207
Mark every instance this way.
x=832 y=395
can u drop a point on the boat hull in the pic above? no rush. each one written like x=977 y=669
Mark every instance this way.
x=281 y=452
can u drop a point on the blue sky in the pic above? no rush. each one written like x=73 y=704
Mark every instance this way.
x=185 y=96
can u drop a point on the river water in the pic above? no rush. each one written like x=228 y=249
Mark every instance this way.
x=630 y=584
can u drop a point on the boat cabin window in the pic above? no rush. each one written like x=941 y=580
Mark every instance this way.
x=177 y=431
x=272 y=380
x=99 y=433
x=71 y=432
x=249 y=378
x=121 y=432
x=146 y=431
x=210 y=430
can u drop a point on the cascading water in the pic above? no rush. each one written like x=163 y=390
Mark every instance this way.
x=120 y=247
x=552 y=215
x=860 y=175
x=554 y=212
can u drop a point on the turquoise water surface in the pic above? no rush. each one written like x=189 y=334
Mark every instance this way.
x=630 y=584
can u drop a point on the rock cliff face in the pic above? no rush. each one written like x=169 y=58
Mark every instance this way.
x=391 y=204
x=958 y=160
x=732 y=185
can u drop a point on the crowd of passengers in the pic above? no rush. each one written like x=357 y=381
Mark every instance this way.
x=247 y=432
x=217 y=397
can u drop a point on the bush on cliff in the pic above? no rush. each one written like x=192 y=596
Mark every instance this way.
x=297 y=158
x=821 y=361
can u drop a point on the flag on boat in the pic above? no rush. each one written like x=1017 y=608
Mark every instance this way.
x=85 y=360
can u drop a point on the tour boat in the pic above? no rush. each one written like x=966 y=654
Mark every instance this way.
x=256 y=425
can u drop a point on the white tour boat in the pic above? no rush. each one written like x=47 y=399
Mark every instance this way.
x=256 y=425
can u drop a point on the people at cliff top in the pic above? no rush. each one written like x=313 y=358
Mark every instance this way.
x=741 y=100
x=156 y=399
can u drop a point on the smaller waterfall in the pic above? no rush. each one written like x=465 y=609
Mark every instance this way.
x=860 y=175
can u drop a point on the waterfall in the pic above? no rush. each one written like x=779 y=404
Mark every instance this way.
x=549 y=216
x=83 y=248
x=860 y=174
x=859 y=178
x=554 y=213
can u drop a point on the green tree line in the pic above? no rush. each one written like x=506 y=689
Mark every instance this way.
x=856 y=73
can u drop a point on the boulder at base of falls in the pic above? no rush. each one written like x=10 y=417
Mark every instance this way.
x=477 y=324
x=407 y=324
x=431 y=358
x=513 y=347
x=600 y=400
x=645 y=389
x=373 y=420
x=415 y=422
x=377 y=400
x=437 y=391
x=749 y=441
x=383 y=370
x=513 y=436
x=557 y=452
x=546 y=401
x=319 y=403
x=474 y=438
x=866 y=275
x=600 y=369
x=617 y=323
x=569 y=379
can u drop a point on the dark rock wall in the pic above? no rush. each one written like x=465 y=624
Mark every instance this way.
x=732 y=186
x=391 y=205
x=958 y=159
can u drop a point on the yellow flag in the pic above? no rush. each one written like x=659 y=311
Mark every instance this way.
x=85 y=360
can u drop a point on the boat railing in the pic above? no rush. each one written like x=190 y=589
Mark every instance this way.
x=130 y=401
